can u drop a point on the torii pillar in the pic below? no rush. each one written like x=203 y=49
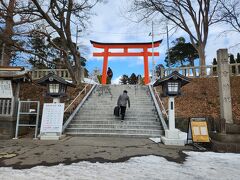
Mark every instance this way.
x=125 y=47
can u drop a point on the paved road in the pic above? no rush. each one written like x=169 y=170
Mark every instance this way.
x=27 y=153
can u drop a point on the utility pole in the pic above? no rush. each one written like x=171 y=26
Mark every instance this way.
x=76 y=37
x=168 y=47
x=153 y=63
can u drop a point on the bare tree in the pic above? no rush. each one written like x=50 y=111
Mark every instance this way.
x=57 y=19
x=192 y=16
x=60 y=15
x=15 y=18
x=229 y=12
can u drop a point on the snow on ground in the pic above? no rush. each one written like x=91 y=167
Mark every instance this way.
x=198 y=165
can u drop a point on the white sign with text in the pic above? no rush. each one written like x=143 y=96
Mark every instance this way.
x=6 y=89
x=52 y=118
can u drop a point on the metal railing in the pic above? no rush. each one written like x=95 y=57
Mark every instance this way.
x=158 y=108
x=6 y=106
x=71 y=110
x=160 y=103
x=76 y=100
x=27 y=108
x=39 y=73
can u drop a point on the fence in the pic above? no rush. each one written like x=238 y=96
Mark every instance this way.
x=39 y=73
x=209 y=70
x=27 y=108
x=6 y=106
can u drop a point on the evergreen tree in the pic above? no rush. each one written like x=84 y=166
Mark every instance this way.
x=214 y=68
x=238 y=58
x=232 y=61
x=124 y=79
x=181 y=53
x=133 y=79
x=238 y=61
x=38 y=44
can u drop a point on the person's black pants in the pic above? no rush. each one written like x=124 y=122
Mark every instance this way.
x=123 y=110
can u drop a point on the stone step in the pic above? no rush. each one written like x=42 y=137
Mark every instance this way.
x=111 y=106
x=110 y=109
x=116 y=95
x=112 y=135
x=128 y=113
x=118 y=121
x=113 y=118
x=103 y=101
x=96 y=118
x=110 y=130
x=115 y=126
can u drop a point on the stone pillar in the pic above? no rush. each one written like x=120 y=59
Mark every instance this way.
x=162 y=74
x=171 y=114
x=56 y=100
x=82 y=73
x=224 y=85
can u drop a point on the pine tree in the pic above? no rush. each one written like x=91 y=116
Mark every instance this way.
x=238 y=58
x=124 y=79
x=238 y=61
x=133 y=79
x=232 y=61
x=214 y=68
x=181 y=53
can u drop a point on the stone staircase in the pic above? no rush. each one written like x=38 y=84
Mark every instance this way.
x=96 y=118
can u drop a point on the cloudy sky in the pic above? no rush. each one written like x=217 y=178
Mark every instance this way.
x=111 y=25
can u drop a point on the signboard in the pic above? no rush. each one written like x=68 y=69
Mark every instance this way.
x=6 y=89
x=52 y=118
x=197 y=130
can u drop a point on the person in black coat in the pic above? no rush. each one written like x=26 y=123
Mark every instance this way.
x=109 y=74
x=123 y=99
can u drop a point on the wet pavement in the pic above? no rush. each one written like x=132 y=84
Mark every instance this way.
x=26 y=153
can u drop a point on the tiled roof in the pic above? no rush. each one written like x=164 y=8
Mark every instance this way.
x=13 y=73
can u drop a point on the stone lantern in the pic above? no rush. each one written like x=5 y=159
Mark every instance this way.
x=171 y=86
x=56 y=86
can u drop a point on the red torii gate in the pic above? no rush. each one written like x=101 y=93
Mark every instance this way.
x=125 y=47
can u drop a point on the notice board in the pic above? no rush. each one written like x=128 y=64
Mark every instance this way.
x=6 y=89
x=52 y=117
x=198 y=131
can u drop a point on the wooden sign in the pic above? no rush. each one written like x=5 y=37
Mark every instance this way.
x=197 y=130
x=6 y=89
x=52 y=118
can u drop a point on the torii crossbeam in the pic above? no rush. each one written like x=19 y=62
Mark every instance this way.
x=124 y=47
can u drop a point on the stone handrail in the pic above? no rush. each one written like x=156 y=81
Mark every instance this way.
x=39 y=73
x=194 y=71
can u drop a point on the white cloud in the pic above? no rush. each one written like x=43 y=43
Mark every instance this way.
x=110 y=25
x=116 y=80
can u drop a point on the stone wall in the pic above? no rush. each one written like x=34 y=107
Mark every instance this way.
x=200 y=98
x=34 y=92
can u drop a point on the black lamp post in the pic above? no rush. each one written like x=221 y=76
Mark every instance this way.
x=56 y=86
